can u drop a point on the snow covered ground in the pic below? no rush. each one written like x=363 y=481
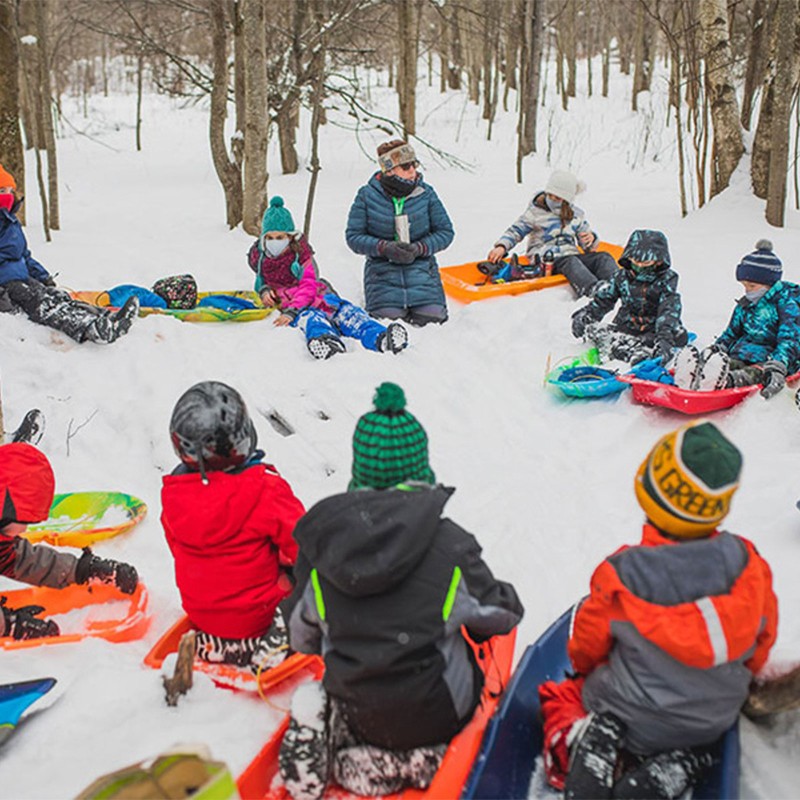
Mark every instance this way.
x=545 y=484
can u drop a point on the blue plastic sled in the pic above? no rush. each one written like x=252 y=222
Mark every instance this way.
x=15 y=699
x=514 y=737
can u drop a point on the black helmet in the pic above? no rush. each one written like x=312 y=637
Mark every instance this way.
x=211 y=429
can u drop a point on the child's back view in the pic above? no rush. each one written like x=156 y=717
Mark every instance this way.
x=228 y=519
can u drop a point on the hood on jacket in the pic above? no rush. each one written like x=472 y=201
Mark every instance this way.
x=27 y=484
x=646 y=245
x=368 y=541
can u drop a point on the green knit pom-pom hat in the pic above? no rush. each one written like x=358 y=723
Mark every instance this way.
x=389 y=444
x=277 y=218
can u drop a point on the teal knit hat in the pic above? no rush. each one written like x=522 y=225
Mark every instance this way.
x=389 y=445
x=277 y=218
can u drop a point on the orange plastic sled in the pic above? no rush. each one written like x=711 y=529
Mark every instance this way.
x=225 y=674
x=466 y=283
x=261 y=779
x=126 y=627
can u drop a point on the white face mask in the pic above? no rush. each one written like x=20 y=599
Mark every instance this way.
x=756 y=294
x=553 y=205
x=275 y=246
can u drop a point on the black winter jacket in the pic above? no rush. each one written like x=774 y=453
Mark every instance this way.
x=384 y=585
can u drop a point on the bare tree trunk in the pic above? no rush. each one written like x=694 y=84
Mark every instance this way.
x=316 y=116
x=755 y=60
x=228 y=171
x=45 y=86
x=256 y=122
x=139 y=71
x=235 y=9
x=728 y=145
x=407 y=65
x=11 y=153
x=784 y=86
x=285 y=120
x=571 y=47
x=530 y=78
x=638 y=58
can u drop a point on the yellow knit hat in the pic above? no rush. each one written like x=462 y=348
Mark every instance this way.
x=686 y=483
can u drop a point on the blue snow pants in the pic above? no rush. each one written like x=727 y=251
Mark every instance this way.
x=346 y=320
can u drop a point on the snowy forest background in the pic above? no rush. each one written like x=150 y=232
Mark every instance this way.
x=150 y=134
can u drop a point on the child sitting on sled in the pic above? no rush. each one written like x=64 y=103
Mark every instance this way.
x=666 y=644
x=384 y=585
x=762 y=341
x=228 y=519
x=27 y=487
x=552 y=223
x=648 y=323
x=287 y=277
x=26 y=286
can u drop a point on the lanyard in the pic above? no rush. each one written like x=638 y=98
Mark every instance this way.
x=399 y=202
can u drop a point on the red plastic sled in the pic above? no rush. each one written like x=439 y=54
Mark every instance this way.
x=225 y=674
x=465 y=282
x=130 y=624
x=261 y=780
x=666 y=395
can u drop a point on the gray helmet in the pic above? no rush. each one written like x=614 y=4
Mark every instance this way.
x=211 y=429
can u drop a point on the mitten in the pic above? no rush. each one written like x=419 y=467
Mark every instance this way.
x=398 y=252
x=580 y=319
x=106 y=570
x=420 y=249
x=22 y=623
x=774 y=378
x=664 y=351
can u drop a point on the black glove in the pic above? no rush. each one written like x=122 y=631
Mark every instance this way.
x=398 y=252
x=106 y=570
x=6 y=306
x=664 y=351
x=580 y=319
x=22 y=623
x=49 y=281
x=774 y=378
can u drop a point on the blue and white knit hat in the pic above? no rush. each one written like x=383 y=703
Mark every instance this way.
x=761 y=266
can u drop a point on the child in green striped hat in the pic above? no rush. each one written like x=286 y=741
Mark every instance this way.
x=389 y=444
x=386 y=586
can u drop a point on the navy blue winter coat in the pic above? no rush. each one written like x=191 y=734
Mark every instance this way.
x=16 y=262
x=371 y=219
x=768 y=330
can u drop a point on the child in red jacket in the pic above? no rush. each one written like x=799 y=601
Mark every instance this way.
x=27 y=485
x=667 y=642
x=228 y=519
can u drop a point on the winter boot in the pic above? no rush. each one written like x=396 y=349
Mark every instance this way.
x=23 y=623
x=369 y=771
x=106 y=570
x=273 y=647
x=666 y=775
x=393 y=339
x=713 y=373
x=109 y=326
x=593 y=758
x=325 y=346
x=217 y=650
x=687 y=367
x=304 y=758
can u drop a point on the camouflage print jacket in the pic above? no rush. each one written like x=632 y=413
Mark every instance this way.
x=767 y=330
x=649 y=304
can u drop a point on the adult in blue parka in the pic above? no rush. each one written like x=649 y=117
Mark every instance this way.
x=398 y=222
